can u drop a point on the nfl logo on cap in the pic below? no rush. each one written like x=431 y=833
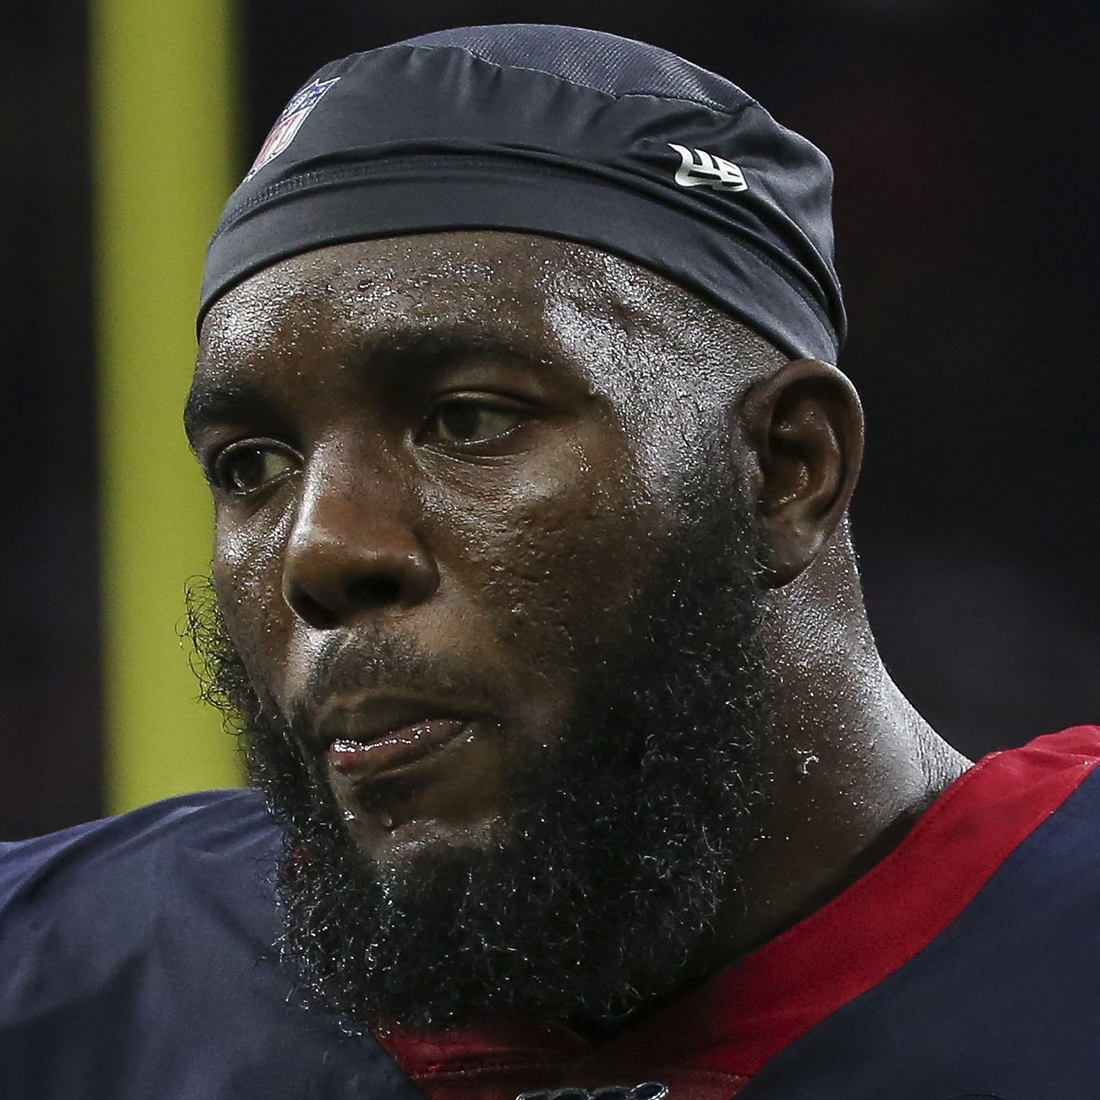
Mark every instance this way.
x=290 y=122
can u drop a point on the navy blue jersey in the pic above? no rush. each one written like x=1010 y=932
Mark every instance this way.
x=137 y=964
x=137 y=960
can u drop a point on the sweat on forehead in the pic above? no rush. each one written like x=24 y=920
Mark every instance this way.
x=618 y=145
x=493 y=291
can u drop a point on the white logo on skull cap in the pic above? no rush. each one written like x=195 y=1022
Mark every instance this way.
x=698 y=168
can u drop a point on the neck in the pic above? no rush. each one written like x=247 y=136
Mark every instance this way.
x=849 y=763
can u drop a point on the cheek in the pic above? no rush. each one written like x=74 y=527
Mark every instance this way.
x=554 y=563
x=247 y=572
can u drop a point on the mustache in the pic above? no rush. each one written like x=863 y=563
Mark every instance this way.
x=383 y=663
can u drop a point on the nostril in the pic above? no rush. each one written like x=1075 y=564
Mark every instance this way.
x=332 y=609
x=314 y=612
x=374 y=591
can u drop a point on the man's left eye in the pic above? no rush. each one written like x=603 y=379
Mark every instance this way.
x=468 y=421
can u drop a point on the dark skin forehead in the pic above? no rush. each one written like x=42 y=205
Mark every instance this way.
x=628 y=334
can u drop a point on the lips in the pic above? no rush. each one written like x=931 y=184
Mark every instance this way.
x=364 y=736
x=362 y=758
x=408 y=769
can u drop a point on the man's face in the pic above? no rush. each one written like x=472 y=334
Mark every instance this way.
x=472 y=522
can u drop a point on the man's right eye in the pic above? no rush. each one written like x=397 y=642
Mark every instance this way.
x=248 y=466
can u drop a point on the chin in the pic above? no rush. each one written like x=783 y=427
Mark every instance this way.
x=403 y=841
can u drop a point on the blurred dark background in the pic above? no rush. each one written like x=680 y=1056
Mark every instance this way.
x=964 y=138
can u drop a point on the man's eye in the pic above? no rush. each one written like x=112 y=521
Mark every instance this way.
x=471 y=422
x=248 y=466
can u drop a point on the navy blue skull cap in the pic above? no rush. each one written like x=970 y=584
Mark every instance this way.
x=569 y=133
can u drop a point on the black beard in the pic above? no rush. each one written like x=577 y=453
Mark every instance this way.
x=622 y=842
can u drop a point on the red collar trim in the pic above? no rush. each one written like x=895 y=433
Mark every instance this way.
x=782 y=990
x=747 y=1014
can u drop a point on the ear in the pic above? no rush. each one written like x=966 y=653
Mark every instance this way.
x=805 y=424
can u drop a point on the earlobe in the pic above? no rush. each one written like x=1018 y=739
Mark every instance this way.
x=805 y=425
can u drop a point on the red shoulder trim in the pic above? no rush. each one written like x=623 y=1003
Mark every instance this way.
x=748 y=1014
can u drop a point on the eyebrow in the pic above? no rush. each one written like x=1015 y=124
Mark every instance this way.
x=222 y=403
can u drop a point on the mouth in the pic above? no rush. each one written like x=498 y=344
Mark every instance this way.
x=410 y=770
x=362 y=761
x=368 y=739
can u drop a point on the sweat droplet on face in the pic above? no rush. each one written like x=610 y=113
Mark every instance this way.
x=806 y=760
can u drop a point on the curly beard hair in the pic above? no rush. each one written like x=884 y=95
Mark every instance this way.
x=621 y=843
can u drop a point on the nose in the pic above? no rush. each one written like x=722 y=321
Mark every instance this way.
x=354 y=549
